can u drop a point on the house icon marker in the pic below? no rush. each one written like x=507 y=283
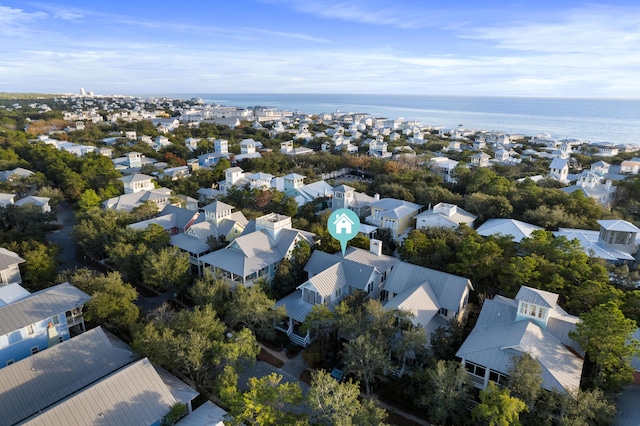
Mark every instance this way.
x=343 y=224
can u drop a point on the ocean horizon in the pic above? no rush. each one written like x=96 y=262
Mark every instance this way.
x=587 y=119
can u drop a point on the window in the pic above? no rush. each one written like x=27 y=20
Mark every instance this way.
x=523 y=308
x=9 y=362
x=498 y=378
x=541 y=312
x=532 y=310
x=475 y=369
x=55 y=320
x=443 y=311
x=30 y=329
x=35 y=350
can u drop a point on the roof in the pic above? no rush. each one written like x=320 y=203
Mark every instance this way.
x=559 y=163
x=537 y=297
x=420 y=301
x=381 y=263
x=9 y=259
x=31 y=199
x=394 y=203
x=40 y=305
x=128 y=202
x=293 y=176
x=618 y=225
x=517 y=229
x=297 y=308
x=447 y=288
x=134 y=395
x=208 y=414
x=11 y=293
x=137 y=177
x=41 y=380
x=591 y=244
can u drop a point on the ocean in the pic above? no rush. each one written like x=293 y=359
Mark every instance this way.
x=591 y=120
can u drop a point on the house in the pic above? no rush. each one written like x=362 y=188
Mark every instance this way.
x=480 y=159
x=210 y=159
x=234 y=176
x=590 y=184
x=9 y=267
x=137 y=183
x=165 y=125
x=444 y=215
x=532 y=323
x=132 y=395
x=393 y=214
x=207 y=195
x=630 y=166
x=293 y=186
x=443 y=167
x=14 y=174
x=7 y=199
x=127 y=202
x=516 y=229
x=330 y=278
x=172 y=219
x=288 y=148
x=594 y=246
x=346 y=197
x=35 y=383
x=433 y=297
x=218 y=221
x=559 y=169
x=175 y=173
x=192 y=143
x=41 y=203
x=257 y=253
x=260 y=180
x=35 y=322
x=378 y=148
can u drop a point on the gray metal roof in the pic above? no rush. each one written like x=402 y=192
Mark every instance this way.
x=517 y=229
x=8 y=259
x=381 y=263
x=319 y=261
x=618 y=225
x=208 y=414
x=448 y=288
x=420 y=301
x=39 y=306
x=41 y=380
x=537 y=297
x=493 y=345
x=134 y=395
x=297 y=309
x=218 y=207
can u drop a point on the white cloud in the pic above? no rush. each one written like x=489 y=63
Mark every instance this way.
x=67 y=15
x=14 y=20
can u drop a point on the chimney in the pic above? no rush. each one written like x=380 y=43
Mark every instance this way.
x=52 y=335
x=376 y=197
x=375 y=247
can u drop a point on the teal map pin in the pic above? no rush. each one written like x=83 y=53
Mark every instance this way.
x=343 y=225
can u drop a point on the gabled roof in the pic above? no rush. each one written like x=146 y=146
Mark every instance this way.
x=420 y=301
x=39 y=381
x=537 y=297
x=40 y=305
x=10 y=293
x=128 y=202
x=6 y=175
x=492 y=344
x=137 y=177
x=328 y=281
x=591 y=244
x=134 y=395
x=618 y=225
x=447 y=288
x=559 y=163
x=517 y=229
x=31 y=199
x=9 y=259
x=381 y=263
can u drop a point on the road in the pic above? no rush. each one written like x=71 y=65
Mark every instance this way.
x=63 y=239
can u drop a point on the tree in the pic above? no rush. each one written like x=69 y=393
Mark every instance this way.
x=525 y=378
x=89 y=199
x=605 y=335
x=40 y=269
x=445 y=341
x=497 y=407
x=212 y=290
x=449 y=389
x=335 y=403
x=195 y=343
x=168 y=269
x=366 y=358
x=320 y=323
x=589 y=407
x=265 y=402
x=111 y=299
x=250 y=307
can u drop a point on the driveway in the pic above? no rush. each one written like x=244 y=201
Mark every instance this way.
x=628 y=404
x=62 y=238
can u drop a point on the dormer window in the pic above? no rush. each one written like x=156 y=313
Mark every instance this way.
x=533 y=311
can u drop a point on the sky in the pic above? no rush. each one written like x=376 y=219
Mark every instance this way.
x=422 y=47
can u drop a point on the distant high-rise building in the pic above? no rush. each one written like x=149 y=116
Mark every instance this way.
x=82 y=92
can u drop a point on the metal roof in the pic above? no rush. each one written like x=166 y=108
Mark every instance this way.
x=517 y=229
x=420 y=301
x=297 y=309
x=618 y=225
x=208 y=414
x=41 y=380
x=134 y=395
x=218 y=207
x=8 y=259
x=39 y=306
x=537 y=297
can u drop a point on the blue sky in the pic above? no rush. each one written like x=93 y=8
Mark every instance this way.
x=520 y=48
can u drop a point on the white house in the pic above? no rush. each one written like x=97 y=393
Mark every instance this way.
x=531 y=323
x=559 y=169
x=9 y=269
x=444 y=215
x=41 y=202
x=137 y=182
